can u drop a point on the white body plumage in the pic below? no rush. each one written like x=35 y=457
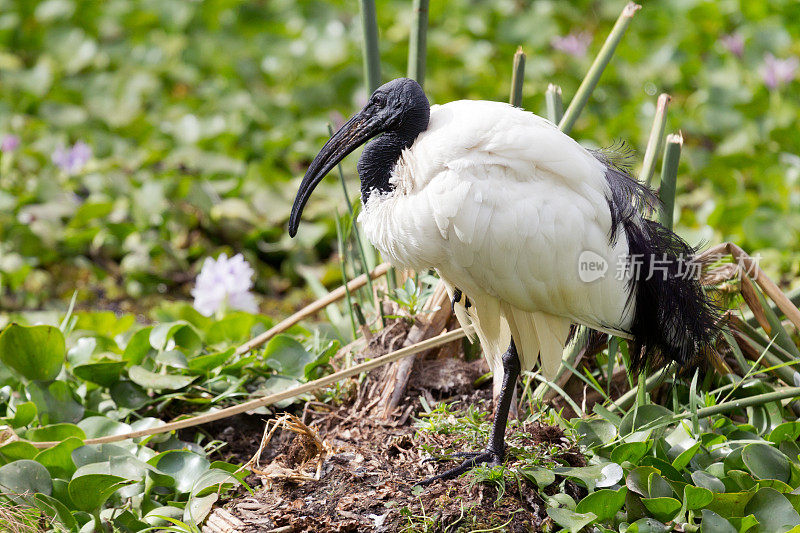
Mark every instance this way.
x=502 y=204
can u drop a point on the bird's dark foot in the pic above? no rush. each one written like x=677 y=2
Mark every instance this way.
x=473 y=460
x=457 y=298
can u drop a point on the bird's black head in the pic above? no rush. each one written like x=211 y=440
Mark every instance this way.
x=398 y=109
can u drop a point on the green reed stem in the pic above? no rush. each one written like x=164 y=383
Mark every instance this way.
x=343 y=254
x=669 y=176
x=418 y=42
x=372 y=59
x=517 y=78
x=588 y=84
x=555 y=107
x=656 y=141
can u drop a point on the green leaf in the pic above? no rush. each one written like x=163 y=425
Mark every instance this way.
x=787 y=431
x=97 y=453
x=138 y=348
x=638 y=480
x=55 y=432
x=152 y=380
x=702 y=478
x=730 y=504
x=542 y=477
x=604 y=503
x=184 y=467
x=207 y=362
x=630 y=451
x=714 y=523
x=198 y=508
x=89 y=492
x=287 y=356
x=104 y=322
x=773 y=511
x=23 y=414
x=648 y=525
x=662 y=508
x=18 y=450
x=24 y=477
x=55 y=402
x=649 y=415
x=182 y=333
x=58 y=459
x=101 y=426
x=570 y=520
x=35 y=352
x=696 y=497
x=105 y=372
x=766 y=462
x=685 y=456
x=129 y=395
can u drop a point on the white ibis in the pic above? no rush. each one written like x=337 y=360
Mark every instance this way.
x=537 y=232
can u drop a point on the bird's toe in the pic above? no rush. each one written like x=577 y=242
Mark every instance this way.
x=473 y=460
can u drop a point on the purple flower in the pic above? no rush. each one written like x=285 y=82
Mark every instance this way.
x=574 y=44
x=72 y=160
x=9 y=143
x=777 y=72
x=733 y=43
x=224 y=284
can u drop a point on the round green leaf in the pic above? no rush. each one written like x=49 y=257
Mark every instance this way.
x=101 y=426
x=35 y=352
x=105 y=372
x=155 y=381
x=773 y=511
x=204 y=363
x=287 y=356
x=603 y=503
x=702 y=478
x=58 y=459
x=663 y=508
x=650 y=415
x=89 y=492
x=55 y=509
x=55 y=402
x=18 y=450
x=129 y=395
x=714 y=523
x=630 y=451
x=24 y=477
x=183 y=466
x=23 y=414
x=696 y=497
x=595 y=432
x=766 y=462
x=138 y=348
x=787 y=431
x=570 y=520
x=55 y=432
x=542 y=477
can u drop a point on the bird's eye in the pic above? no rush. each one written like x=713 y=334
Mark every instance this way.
x=379 y=100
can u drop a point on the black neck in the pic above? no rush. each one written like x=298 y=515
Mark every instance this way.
x=378 y=159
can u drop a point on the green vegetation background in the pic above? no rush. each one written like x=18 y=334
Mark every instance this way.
x=202 y=116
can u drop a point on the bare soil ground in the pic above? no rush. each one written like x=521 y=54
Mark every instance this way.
x=367 y=479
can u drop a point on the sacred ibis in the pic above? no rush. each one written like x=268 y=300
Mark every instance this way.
x=537 y=232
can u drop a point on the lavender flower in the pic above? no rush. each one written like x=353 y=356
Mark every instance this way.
x=777 y=72
x=733 y=43
x=9 y=143
x=574 y=44
x=224 y=284
x=72 y=160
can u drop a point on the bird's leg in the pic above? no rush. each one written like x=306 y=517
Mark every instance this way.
x=495 y=451
x=457 y=298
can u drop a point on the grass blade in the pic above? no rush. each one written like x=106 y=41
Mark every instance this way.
x=588 y=84
x=656 y=141
x=669 y=176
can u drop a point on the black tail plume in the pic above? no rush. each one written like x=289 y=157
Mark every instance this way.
x=673 y=318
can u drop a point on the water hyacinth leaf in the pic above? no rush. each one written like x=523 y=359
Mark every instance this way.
x=746 y=523
x=101 y=426
x=603 y=503
x=773 y=511
x=104 y=322
x=58 y=459
x=287 y=356
x=741 y=480
x=638 y=478
x=89 y=492
x=183 y=466
x=198 y=508
x=662 y=508
x=105 y=372
x=787 y=431
x=22 y=479
x=595 y=432
x=55 y=402
x=56 y=510
x=648 y=525
x=630 y=451
x=54 y=432
x=129 y=395
x=157 y=382
x=648 y=416
x=696 y=497
x=14 y=451
x=570 y=520
x=207 y=362
x=157 y=517
x=714 y=523
x=235 y=328
x=138 y=347
x=172 y=358
x=21 y=414
x=730 y=504
x=657 y=487
x=276 y=384
x=182 y=333
x=685 y=456
x=542 y=477
x=593 y=476
x=97 y=453
x=35 y=352
x=666 y=469
x=213 y=480
x=766 y=462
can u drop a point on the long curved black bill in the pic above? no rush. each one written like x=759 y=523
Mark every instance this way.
x=355 y=132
